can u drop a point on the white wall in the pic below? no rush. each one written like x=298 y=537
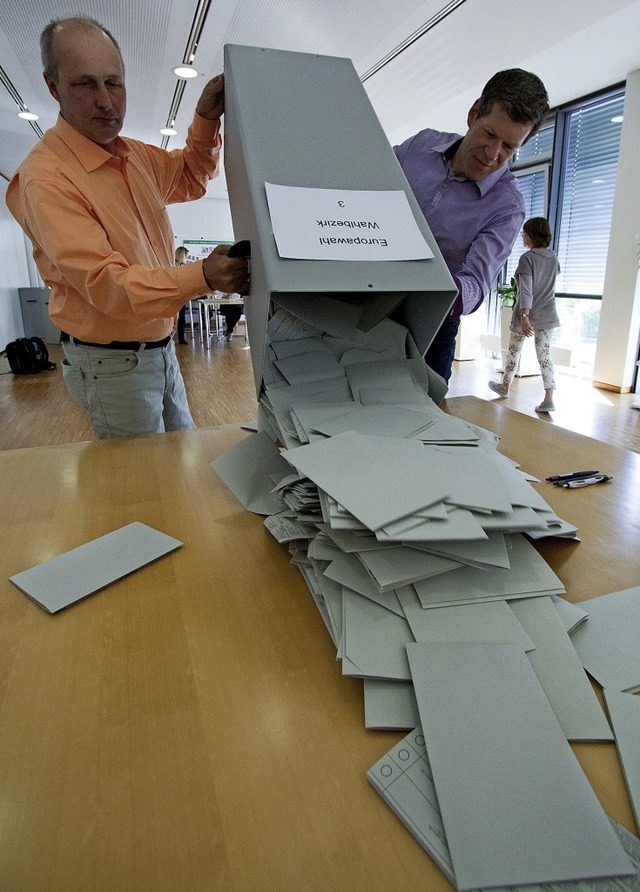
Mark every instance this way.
x=617 y=348
x=14 y=273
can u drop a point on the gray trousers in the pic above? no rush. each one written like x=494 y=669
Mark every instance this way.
x=127 y=392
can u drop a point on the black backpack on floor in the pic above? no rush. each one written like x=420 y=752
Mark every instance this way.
x=28 y=356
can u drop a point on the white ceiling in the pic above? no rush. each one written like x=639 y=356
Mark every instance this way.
x=575 y=46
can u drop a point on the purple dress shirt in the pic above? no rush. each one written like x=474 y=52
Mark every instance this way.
x=474 y=223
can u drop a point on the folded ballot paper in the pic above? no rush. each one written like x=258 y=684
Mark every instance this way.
x=412 y=534
x=404 y=779
x=76 y=574
x=378 y=491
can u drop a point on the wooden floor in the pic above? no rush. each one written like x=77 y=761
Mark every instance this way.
x=580 y=407
x=36 y=410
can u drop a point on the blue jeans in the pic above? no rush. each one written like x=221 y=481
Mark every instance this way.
x=127 y=392
x=439 y=356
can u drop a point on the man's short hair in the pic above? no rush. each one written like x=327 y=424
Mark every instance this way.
x=522 y=94
x=47 y=55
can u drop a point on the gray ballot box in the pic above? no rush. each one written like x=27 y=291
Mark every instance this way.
x=303 y=120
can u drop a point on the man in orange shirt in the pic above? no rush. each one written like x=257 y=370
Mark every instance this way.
x=93 y=205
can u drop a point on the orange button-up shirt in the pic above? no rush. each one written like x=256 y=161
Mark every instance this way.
x=100 y=231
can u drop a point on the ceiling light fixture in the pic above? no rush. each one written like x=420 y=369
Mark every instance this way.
x=168 y=131
x=188 y=59
x=185 y=72
x=23 y=111
x=617 y=119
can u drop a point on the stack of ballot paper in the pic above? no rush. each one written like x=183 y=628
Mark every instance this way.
x=404 y=778
x=412 y=534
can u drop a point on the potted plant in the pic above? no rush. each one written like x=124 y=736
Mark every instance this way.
x=508 y=293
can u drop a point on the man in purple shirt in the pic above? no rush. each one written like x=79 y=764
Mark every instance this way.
x=469 y=197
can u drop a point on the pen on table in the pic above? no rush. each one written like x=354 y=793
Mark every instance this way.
x=572 y=475
x=583 y=481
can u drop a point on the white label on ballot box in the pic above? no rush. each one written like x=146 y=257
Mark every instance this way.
x=344 y=224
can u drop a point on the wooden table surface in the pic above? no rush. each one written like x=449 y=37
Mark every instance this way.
x=188 y=728
x=608 y=515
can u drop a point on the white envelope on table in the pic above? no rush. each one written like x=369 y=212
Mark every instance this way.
x=608 y=644
x=560 y=671
x=374 y=640
x=389 y=705
x=529 y=575
x=624 y=712
x=505 y=776
x=491 y=621
x=76 y=574
x=377 y=479
x=247 y=467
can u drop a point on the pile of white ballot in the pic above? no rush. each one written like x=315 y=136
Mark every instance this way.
x=408 y=528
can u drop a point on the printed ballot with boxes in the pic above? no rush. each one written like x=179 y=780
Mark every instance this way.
x=412 y=532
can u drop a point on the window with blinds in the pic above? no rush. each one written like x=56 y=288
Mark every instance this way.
x=588 y=168
x=567 y=173
x=579 y=202
x=532 y=182
x=536 y=150
x=531 y=165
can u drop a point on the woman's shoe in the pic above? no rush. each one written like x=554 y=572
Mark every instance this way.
x=498 y=388
x=545 y=407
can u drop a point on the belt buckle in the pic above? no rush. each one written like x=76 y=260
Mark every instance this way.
x=142 y=345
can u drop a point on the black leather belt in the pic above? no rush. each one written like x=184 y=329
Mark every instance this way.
x=119 y=345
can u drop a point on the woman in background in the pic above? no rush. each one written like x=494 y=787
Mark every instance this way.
x=534 y=313
x=232 y=313
x=181 y=257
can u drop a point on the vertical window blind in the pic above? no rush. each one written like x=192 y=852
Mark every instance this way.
x=531 y=165
x=587 y=144
x=533 y=185
x=589 y=166
x=537 y=149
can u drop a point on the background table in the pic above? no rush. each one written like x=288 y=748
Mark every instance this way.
x=205 y=323
x=188 y=728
